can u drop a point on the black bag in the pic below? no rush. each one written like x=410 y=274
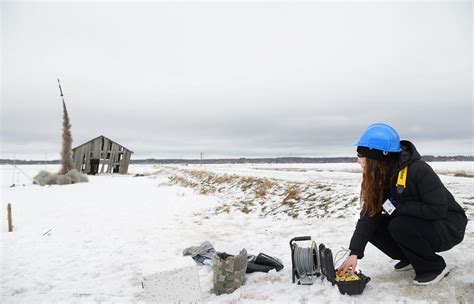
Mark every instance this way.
x=263 y=263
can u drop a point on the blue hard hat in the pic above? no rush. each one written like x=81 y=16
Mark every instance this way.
x=381 y=137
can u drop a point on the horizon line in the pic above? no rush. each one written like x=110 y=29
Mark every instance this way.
x=240 y=158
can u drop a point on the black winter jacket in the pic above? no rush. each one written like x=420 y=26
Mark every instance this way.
x=425 y=197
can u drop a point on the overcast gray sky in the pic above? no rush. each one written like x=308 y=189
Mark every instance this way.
x=245 y=79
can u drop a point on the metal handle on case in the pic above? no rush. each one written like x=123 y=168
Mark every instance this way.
x=300 y=238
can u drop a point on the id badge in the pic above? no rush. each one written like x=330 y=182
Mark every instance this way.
x=388 y=207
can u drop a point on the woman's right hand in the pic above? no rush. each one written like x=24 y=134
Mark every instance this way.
x=348 y=266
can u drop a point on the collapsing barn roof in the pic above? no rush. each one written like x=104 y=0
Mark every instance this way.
x=100 y=136
x=101 y=155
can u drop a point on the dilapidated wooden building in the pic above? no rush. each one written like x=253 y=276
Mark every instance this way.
x=101 y=155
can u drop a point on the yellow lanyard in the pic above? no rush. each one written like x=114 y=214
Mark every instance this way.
x=402 y=180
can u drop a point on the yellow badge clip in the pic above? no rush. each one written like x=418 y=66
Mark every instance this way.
x=402 y=180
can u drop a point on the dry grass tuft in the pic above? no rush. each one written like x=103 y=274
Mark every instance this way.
x=245 y=209
x=292 y=196
x=223 y=208
x=182 y=181
x=265 y=196
x=463 y=174
x=246 y=206
x=263 y=186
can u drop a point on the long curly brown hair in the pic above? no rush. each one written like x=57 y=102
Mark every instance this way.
x=377 y=176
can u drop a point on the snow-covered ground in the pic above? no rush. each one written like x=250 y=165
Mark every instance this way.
x=96 y=241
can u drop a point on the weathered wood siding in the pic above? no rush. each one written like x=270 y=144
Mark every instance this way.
x=125 y=162
x=106 y=152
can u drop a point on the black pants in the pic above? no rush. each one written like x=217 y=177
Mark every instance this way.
x=410 y=239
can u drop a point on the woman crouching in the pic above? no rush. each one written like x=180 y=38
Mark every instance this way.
x=407 y=212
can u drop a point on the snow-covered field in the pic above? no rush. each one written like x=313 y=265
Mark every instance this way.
x=95 y=242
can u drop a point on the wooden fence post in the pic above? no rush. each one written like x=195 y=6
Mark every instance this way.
x=10 y=224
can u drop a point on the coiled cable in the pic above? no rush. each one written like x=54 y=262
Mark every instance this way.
x=304 y=262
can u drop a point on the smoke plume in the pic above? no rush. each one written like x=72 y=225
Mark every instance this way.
x=66 y=152
x=47 y=178
x=67 y=174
